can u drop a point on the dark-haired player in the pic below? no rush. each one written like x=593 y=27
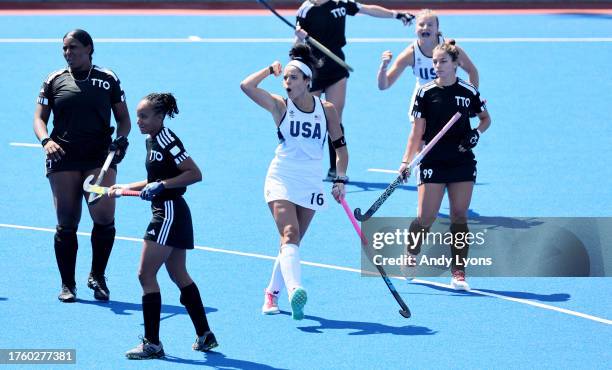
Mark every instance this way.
x=325 y=21
x=81 y=97
x=450 y=165
x=169 y=235
x=293 y=189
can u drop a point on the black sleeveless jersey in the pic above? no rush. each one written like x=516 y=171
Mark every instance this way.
x=165 y=152
x=437 y=105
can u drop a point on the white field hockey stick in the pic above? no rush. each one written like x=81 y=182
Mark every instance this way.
x=415 y=162
x=98 y=191
x=94 y=197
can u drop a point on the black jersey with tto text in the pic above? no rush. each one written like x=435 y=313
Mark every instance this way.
x=81 y=103
x=326 y=23
x=437 y=104
x=165 y=152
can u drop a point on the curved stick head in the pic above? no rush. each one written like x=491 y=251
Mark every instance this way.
x=87 y=184
x=359 y=216
x=404 y=313
x=93 y=190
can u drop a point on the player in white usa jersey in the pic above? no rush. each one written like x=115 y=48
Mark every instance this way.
x=418 y=55
x=293 y=187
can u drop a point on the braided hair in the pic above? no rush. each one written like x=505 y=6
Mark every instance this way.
x=164 y=103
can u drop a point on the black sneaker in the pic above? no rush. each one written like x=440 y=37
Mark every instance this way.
x=98 y=285
x=205 y=343
x=68 y=294
x=331 y=175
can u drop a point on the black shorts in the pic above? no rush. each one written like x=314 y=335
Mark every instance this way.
x=171 y=224
x=80 y=157
x=330 y=73
x=446 y=173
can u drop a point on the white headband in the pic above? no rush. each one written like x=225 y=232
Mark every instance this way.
x=301 y=66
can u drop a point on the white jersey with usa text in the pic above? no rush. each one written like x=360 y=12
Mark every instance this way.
x=302 y=134
x=423 y=65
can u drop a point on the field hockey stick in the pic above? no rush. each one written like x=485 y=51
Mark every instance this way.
x=94 y=197
x=99 y=191
x=415 y=162
x=405 y=311
x=309 y=39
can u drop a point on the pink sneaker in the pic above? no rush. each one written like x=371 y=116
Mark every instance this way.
x=270 y=306
x=458 y=281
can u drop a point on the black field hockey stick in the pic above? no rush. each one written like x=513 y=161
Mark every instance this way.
x=415 y=162
x=309 y=39
x=405 y=311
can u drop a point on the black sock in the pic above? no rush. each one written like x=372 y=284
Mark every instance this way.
x=190 y=298
x=151 y=312
x=66 y=246
x=418 y=233
x=102 y=239
x=460 y=247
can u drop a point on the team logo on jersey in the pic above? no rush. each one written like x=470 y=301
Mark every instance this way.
x=291 y=113
x=339 y=12
x=462 y=101
x=100 y=83
x=418 y=60
x=151 y=232
x=155 y=156
x=305 y=129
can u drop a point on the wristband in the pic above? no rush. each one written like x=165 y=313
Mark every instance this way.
x=44 y=141
x=271 y=69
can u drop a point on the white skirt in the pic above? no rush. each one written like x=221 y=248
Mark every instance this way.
x=298 y=181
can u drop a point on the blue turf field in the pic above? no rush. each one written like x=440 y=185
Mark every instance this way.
x=546 y=154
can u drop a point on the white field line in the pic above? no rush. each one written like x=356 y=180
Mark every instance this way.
x=28 y=145
x=382 y=170
x=341 y=268
x=200 y=39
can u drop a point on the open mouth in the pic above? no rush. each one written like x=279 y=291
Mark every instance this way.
x=425 y=34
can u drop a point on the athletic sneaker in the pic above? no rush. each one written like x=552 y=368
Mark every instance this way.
x=205 y=343
x=145 y=351
x=68 y=294
x=98 y=285
x=270 y=306
x=458 y=281
x=298 y=300
x=408 y=270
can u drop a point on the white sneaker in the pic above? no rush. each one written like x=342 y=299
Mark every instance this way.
x=145 y=351
x=458 y=281
x=270 y=306
x=298 y=300
x=408 y=270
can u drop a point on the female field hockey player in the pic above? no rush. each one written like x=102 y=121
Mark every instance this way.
x=325 y=20
x=450 y=165
x=81 y=97
x=418 y=55
x=293 y=188
x=169 y=235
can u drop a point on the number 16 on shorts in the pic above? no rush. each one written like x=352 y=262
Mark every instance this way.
x=317 y=198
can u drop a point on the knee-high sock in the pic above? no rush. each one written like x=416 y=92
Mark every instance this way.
x=66 y=246
x=459 y=247
x=191 y=299
x=276 y=280
x=151 y=312
x=290 y=266
x=418 y=233
x=102 y=240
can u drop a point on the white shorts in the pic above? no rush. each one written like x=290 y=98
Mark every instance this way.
x=300 y=182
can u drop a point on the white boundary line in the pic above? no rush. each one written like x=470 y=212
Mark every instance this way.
x=28 y=145
x=382 y=170
x=199 y=39
x=341 y=268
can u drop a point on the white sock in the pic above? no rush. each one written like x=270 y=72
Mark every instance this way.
x=290 y=266
x=276 y=280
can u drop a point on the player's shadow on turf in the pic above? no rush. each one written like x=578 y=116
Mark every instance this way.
x=361 y=327
x=475 y=219
x=220 y=361
x=3 y=299
x=122 y=308
x=555 y=297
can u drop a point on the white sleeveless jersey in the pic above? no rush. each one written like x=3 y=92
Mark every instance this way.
x=423 y=65
x=302 y=134
x=295 y=174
